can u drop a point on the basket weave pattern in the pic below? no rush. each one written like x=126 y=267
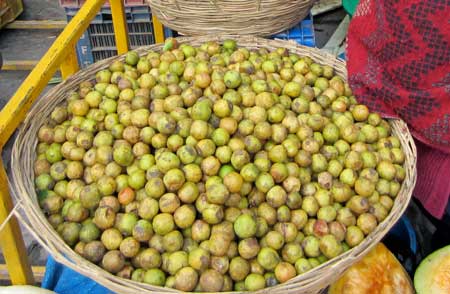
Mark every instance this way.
x=243 y=17
x=22 y=186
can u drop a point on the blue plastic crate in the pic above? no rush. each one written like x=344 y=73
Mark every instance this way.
x=132 y=14
x=98 y=42
x=303 y=33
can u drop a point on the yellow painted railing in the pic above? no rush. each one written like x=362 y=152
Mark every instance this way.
x=60 y=55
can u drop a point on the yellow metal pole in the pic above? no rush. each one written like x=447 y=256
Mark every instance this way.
x=70 y=65
x=11 y=240
x=158 y=29
x=14 y=112
x=12 y=115
x=120 y=25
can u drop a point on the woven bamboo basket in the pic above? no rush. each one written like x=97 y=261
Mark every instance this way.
x=242 y=17
x=22 y=181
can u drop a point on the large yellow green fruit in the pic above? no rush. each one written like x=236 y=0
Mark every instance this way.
x=433 y=274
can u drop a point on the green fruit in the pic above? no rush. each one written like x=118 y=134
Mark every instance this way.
x=311 y=246
x=367 y=223
x=53 y=153
x=173 y=241
x=154 y=277
x=330 y=246
x=364 y=187
x=129 y=247
x=150 y=257
x=245 y=226
x=186 y=279
x=319 y=163
x=360 y=112
x=123 y=155
x=201 y=110
x=327 y=213
x=229 y=44
x=239 y=269
x=254 y=282
x=167 y=161
x=174 y=179
x=292 y=89
x=331 y=133
x=220 y=137
x=264 y=182
x=232 y=79
x=248 y=248
x=199 y=259
x=137 y=180
x=70 y=232
x=89 y=232
x=354 y=236
x=111 y=238
x=138 y=275
x=104 y=217
x=310 y=205
x=211 y=281
x=217 y=193
x=44 y=182
x=125 y=223
x=218 y=243
x=131 y=58
x=200 y=230
x=292 y=252
x=213 y=214
x=184 y=216
x=386 y=170
x=90 y=196
x=143 y=230
x=275 y=240
x=268 y=258
x=284 y=271
x=302 y=265
x=176 y=261
x=113 y=261
x=163 y=223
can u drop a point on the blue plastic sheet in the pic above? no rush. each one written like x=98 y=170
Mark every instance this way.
x=63 y=280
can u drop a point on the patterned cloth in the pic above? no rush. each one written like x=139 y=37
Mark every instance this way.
x=399 y=65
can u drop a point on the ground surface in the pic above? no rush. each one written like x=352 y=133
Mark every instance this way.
x=32 y=44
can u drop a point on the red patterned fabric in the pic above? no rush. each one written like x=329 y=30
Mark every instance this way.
x=399 y=65
x=433 y=179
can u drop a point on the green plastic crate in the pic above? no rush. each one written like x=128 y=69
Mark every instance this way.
x=350 y=6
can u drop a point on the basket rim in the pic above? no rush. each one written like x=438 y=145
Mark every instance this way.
x=21 y=178
x=246 y=17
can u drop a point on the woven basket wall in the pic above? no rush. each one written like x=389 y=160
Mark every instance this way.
x=242 y=17
x=22 y=181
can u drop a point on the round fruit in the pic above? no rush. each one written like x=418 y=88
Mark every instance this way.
x=216 y=167
x=245 y=226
